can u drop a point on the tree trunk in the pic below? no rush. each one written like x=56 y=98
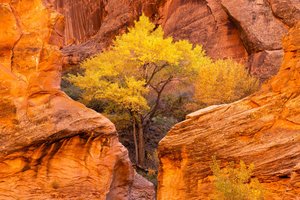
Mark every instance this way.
x=135 y=141
x=141 y=146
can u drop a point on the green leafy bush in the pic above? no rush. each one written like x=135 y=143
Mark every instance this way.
x=236 y=183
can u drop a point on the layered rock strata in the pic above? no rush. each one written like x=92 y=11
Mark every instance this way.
x=263 y=129
x=52 y=147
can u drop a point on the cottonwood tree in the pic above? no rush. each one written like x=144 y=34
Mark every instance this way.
x=138 y=63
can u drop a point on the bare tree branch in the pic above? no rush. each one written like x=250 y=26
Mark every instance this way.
x=159 y=92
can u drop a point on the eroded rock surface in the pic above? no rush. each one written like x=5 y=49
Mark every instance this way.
x=203 y=22
x=92 y=25
x=263 y=129
x=246 y=30
x=51 y=147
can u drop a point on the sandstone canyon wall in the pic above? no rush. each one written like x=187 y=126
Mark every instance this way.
x=51 y=146
x=92 y=25
x=263 y=129
x=246 y=30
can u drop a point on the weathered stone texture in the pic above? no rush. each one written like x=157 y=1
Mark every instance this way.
x=243 y=30
x=92 y=25
x=263 y=129
x=287 y=11
x=259 y=28
x=51 y=147
x=203 y=22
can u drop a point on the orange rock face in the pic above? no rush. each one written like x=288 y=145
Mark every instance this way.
x=92 y=25
x=52 y=147
x=263 y=129
x=203 y=22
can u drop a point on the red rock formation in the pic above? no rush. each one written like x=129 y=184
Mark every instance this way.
x=247 y=30
x=51 y=146
x=83 y=19
x=203 y=22
x=92 y=25
x=228 y=28
x=288 y=11
x=263 y=129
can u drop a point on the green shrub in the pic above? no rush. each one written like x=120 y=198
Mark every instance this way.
x=236 y=183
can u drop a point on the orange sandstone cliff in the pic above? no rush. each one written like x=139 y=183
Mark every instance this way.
x=263 y=129
x=52 y=147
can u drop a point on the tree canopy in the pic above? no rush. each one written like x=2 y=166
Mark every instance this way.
x=131 y=77
x=135 y=71
x=138 y=62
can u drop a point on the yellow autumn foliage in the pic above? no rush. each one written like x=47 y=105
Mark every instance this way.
x=137 y=62
x=223 y=81
x=141 y=62
x=236 y=183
